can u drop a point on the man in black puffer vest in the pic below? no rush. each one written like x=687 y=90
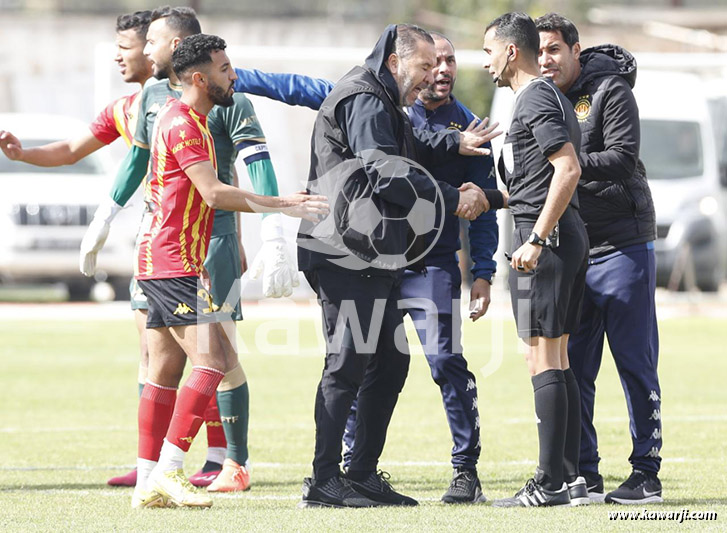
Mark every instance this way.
x=617 y=208
x=365 y=158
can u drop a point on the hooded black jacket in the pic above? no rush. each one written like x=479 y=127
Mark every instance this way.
x=360 y=115
x=615 y=198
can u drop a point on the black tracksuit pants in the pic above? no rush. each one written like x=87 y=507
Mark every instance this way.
x=367 y=356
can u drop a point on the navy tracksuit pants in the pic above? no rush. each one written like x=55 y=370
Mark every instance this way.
x=428 y=298
x=619 y=304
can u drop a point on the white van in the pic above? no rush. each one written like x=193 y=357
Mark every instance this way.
x=44 y=212
x=682 y=144
x=684 y=149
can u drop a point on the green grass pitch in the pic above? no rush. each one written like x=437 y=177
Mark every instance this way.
x=68 y=422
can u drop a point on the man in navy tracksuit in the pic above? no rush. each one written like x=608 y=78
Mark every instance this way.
x=617 y=208
x=436 y=109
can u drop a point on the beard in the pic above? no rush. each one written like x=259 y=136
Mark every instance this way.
x=405 y=86
x=220 y=96
x=162 y=71
x=431 y=94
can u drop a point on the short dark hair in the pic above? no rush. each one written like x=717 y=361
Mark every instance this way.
x=439 y=35
x=194 y=51
x=406 y=39
x=138 y=21
x=555 y=22
x=181 y=19
x=519 y=29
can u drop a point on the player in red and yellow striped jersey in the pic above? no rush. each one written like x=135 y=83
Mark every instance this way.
x=117 y=120
x=175 y=244
x=183 y=189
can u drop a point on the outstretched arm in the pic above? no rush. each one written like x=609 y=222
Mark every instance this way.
x=219 y=195
x=291 y=89
x=66 y=152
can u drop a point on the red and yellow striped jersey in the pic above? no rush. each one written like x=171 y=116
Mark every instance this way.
x=118 y=119
x=177 y=237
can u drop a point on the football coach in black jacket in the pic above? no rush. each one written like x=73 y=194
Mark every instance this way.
x=617 y=208
x=365 y=155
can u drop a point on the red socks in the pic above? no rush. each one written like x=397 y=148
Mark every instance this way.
x=156 y=406
x=194 y=397
x=215 y=431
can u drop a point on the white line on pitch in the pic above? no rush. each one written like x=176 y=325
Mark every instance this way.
x=272 y=466
x=65 y=429
x=509 y=421
x=117 y=493
x=623 y=419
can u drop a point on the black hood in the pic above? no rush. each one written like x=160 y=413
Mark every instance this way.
x=376 y=62
x=605 y=60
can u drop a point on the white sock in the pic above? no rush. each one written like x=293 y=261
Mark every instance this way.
x=143 y=469
x=171 y=458
x=216 y=455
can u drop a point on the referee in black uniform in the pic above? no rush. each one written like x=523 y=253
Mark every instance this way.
x=539 y=165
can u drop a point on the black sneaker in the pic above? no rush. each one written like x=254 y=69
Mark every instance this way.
x=578 y=492
x=377 y=487
x=332 y=492
x=533 y=494
x=594 y=485
x=640 y=487
x=464 y=488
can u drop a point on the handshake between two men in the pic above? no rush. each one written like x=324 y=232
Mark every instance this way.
x=473 y=201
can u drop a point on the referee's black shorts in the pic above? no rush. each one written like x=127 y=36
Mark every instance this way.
x=547 y=301
x=177 y=302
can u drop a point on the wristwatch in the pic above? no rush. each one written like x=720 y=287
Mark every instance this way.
x=534 y=238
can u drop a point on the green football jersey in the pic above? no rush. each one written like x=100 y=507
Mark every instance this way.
x=235 y=129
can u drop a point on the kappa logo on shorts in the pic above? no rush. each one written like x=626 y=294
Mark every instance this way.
x=183 y=309
x=227 y=308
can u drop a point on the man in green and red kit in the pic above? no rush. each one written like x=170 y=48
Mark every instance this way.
x=119 y=120
x=181 y=192
x=235 y=130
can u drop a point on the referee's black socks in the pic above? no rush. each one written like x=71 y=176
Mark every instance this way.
x=551 y=407
x=573 y=429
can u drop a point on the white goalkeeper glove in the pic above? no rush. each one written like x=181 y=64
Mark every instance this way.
x=96 y=234
x=274 y=261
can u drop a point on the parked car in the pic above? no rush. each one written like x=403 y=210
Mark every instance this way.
x=44 y=212
x=682 y=145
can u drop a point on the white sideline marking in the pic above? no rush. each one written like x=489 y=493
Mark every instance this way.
x=66 y=429
x=623 y=419
x=115 y=493
x=273 y=466
x=510 y=421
